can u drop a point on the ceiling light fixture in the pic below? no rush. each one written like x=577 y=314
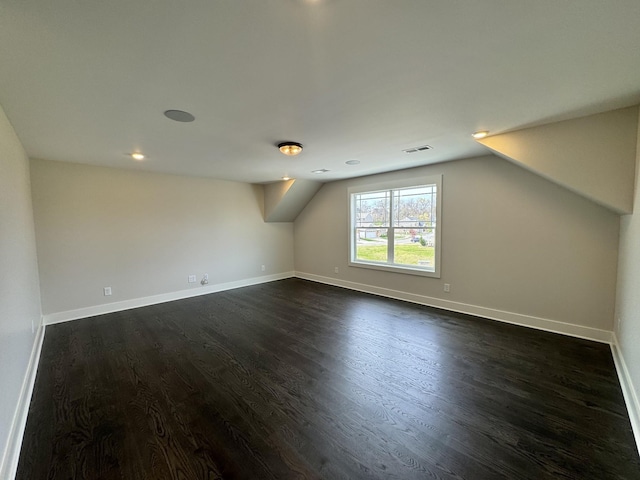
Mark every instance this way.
x=480 y=134
x=137 y=156
x=179 y=116
x=322 y=170
x=352 y=162
x=285 y=178
x=290 y=148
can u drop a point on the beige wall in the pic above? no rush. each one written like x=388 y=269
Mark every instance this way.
x=143 y=234
x=593 y=155
x=512 y=241
x=628 y=295
x=19 y=291
x=283 y=201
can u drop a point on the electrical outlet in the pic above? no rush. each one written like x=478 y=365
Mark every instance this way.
x=335 y=270
x=107 y=291
x=206 y=276
x=205 y=279
x=192 y=279
x=447 y=287
x=263 y=268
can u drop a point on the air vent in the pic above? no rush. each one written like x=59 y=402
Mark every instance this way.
x=417 y=149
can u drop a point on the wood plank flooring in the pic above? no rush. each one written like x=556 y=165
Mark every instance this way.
x=298 y=380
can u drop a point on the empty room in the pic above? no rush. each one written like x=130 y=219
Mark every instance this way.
x=319 y=239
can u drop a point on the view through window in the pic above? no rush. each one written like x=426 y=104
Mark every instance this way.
x=396 y=227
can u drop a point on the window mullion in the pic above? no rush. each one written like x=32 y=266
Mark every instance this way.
x=391 y=232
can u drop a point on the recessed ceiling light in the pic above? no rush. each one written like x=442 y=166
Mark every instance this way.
x=480 y=134
x=322 y=170
x=179 y=116
x=352 y=162
x=286 y=178
x=137 y=156
x=290 y=148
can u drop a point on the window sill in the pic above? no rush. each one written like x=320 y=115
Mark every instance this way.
x=421 y=272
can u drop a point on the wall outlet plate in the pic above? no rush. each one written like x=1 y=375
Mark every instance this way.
x=192 y=279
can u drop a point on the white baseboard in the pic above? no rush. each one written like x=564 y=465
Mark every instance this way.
x=9 y=461
x=630 y=395
x=60 y=317
x=579 y=331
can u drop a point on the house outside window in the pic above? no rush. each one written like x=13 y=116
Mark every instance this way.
x=396 y=226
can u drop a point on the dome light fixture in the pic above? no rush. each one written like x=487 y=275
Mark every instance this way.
x=137 y=156
x=480 y=134
x=290 y=149
x=179 y=116
x=285 y=178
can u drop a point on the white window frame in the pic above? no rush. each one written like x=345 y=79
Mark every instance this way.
x=396 y=185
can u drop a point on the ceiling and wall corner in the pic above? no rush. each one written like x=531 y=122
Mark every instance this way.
x=594 y=156
x=283 y=201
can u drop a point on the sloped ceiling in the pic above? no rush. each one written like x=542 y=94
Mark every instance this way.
x=283 y=201
x=88 y=82
x=594 y=155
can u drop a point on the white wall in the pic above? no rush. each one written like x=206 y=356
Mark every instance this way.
x=628 y=301
x=19 y=291
x=143 y=234
x=511 y=242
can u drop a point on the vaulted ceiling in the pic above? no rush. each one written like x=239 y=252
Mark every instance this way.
x=88 y=82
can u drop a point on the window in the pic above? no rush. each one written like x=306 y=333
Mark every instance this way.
x=396 y=226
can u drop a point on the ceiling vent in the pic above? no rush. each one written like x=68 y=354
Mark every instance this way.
x=417 y=149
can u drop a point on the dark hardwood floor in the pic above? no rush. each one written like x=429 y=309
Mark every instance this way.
x=298 y=380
